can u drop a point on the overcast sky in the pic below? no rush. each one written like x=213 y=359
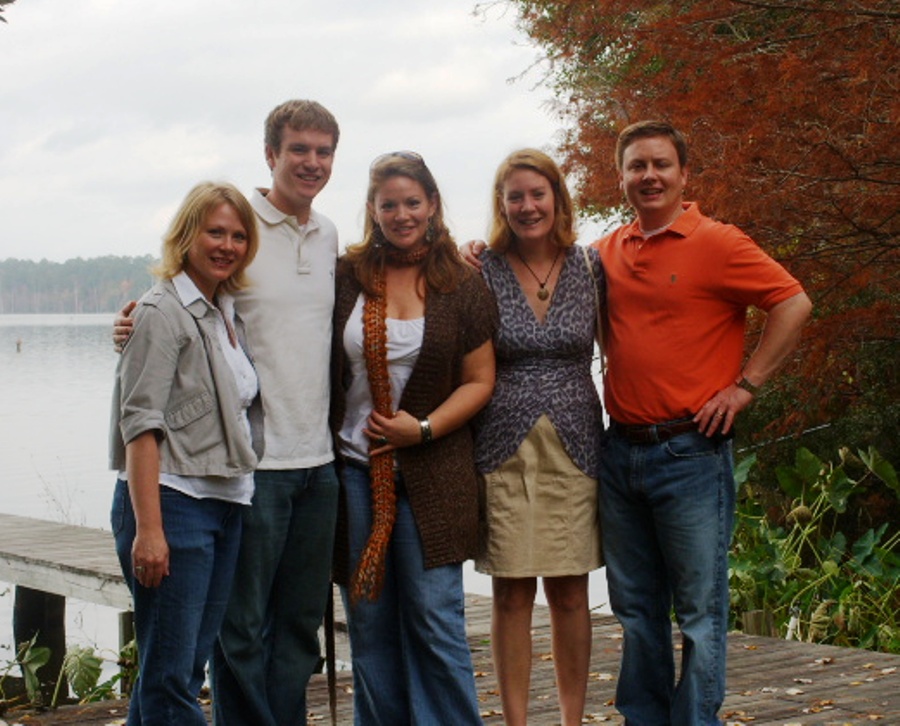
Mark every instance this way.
x=110 y=110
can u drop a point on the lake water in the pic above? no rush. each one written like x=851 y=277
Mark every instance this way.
x=56 y=376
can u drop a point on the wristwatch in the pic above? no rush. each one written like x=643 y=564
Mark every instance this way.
x=742 y=382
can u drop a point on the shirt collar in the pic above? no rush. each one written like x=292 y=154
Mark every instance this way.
x=682 y=226
x=688 y=221
x=187 y=290
x=272 y=215
x=189 y=293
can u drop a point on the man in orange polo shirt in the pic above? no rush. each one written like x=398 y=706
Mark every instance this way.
x=678 y=288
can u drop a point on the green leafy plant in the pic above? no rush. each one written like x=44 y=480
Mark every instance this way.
x=29 y=659
x=32 y=658
x=805 y=555
x=81 y=668
x=125 y=678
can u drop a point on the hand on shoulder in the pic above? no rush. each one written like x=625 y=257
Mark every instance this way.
x=122 y=326
x=471 y=251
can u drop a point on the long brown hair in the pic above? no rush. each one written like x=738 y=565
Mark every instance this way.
x=442 y=266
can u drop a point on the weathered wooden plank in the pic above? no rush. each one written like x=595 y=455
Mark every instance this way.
x=64 y=559
x=770 y=681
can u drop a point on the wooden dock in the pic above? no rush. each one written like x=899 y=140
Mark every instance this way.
x=770 y=681
x=64 y=559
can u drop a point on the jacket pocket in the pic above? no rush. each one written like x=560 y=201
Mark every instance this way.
x=189 y=411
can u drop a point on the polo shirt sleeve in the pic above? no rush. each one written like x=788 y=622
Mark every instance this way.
x=752 y=277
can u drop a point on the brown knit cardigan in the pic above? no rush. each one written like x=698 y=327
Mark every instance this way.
x=439 y=477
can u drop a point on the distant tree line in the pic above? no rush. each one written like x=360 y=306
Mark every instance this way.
x=98 y=285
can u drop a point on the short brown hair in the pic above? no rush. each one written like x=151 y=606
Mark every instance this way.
x=647 y=130
x=299 y=115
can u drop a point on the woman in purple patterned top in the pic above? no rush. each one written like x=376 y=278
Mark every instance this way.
x=537 y=439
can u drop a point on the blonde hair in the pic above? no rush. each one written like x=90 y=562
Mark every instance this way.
x=187 y=224
x=563 y=233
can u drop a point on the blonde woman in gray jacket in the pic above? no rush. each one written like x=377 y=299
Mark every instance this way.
x=185 y=438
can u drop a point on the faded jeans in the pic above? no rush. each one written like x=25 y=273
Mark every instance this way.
x=411 y=659
x=667 y=512
x=176 y=623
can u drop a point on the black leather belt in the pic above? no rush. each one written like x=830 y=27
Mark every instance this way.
x=651 y=433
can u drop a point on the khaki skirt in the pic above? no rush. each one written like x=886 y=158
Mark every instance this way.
x=541 y=512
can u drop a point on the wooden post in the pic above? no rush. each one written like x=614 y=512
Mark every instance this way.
x=126 y=635
x=43 y=614
x=759 y=622
x=126 y=628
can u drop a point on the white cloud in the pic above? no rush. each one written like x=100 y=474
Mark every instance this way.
x=115 y=109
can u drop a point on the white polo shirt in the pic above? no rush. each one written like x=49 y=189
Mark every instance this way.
x=287 y=311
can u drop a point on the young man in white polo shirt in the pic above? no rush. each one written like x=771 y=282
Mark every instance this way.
x=268 y=646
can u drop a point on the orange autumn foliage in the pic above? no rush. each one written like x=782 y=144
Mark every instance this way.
x=792 y=111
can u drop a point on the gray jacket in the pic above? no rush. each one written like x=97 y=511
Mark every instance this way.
x=173 y=379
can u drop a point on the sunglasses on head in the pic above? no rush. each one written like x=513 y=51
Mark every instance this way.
x=408 y=155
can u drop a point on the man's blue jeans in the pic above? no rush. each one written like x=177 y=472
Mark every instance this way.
x=667 y=511
x=269 y=645
x=176 y=623
x=411 y=660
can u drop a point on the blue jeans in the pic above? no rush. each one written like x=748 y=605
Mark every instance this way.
x=269 y=644
x=411 y=659
x=667 y=511
x=176 y=623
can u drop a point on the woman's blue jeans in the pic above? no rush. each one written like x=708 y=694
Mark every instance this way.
x=177 y=623
x=411 y=660
x=667 y=511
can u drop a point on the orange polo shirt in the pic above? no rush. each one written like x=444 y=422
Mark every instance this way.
x=676 y=311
